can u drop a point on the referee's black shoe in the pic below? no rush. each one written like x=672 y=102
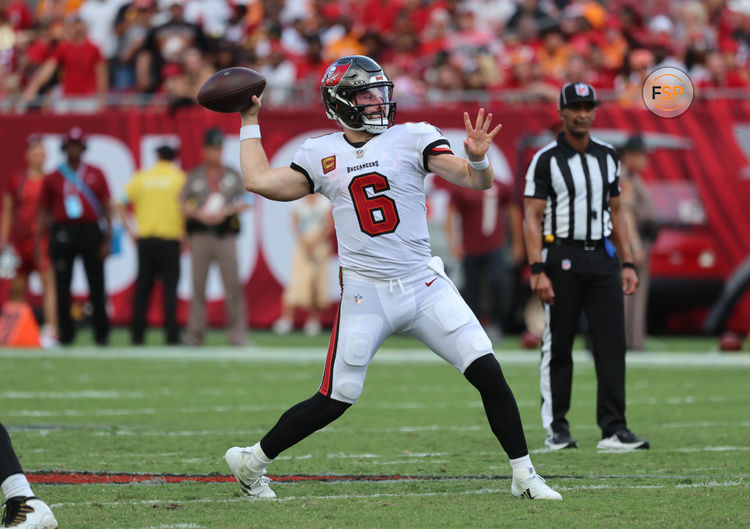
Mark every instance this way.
x=622 y=441
x=559 y=441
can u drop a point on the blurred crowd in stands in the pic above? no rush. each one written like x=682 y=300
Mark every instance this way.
x=434 y=50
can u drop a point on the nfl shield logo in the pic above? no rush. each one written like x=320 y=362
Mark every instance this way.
x=582 y=89
x=358 y=299
x=360 y=153
x=565 y=263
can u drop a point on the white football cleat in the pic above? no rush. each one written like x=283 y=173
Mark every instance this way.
x=622 y=441
x=28 y=513
x=249 y=471
x=533 y=488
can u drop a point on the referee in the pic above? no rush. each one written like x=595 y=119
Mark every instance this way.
x=572 y=206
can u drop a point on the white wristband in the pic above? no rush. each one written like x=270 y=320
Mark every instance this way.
x=249 y=131
x=481 y=165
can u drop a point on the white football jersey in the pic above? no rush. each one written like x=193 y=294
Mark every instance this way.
x=377 y=192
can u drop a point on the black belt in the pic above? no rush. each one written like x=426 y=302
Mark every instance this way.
x=576 y=243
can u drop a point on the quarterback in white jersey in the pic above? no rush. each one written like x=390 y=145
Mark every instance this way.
x=373 y=173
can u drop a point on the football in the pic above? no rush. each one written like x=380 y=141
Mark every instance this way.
x=231 y=89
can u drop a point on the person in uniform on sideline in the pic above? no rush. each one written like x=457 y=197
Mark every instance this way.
x=572 y=205
x=158 y=231
x=642 y=232
x=74 y=208
x=212 y=199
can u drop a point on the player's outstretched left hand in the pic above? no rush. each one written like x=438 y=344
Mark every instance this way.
x=479 y=137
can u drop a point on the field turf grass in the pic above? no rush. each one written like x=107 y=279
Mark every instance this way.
x=415 y=451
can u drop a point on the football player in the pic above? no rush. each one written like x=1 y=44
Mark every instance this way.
x=373 y=173
x=22 y=509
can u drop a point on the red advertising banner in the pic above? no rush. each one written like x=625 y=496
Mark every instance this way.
x=704 y=155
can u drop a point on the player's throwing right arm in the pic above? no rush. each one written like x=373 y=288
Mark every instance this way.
x=281 y=183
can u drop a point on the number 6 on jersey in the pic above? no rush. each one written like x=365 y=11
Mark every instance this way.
x=377 y=215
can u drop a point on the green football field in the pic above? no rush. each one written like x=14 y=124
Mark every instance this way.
x=134 y=438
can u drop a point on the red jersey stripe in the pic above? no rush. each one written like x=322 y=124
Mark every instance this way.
x=325 y=386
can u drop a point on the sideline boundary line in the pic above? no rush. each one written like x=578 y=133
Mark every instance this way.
x=316 y=355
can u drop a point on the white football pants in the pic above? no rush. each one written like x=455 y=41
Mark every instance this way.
x=425 y=305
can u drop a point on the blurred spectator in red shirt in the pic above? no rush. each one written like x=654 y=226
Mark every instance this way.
x=311 y=67
x=18 y=227
x=82 y=68
x=33 y=48
x=720 y=74
x=434 y=38
x=99 y=17
x=18 y=14
x=599 y=74
x=379 y=15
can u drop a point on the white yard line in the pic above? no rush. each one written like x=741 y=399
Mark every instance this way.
x=174 y=526
x=122 y=432
x=83 y=394
x=262 y=408
x=708 y=484
x=316 y=355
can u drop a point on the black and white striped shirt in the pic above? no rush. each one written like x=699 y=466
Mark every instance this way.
x=577 y=187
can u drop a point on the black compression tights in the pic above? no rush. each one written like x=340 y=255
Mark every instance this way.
x=9 y=464
x=301 y=420
x=486 y=375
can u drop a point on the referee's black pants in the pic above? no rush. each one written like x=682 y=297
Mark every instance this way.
x=157 y=258
x=588 y=280
x=68 y=241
